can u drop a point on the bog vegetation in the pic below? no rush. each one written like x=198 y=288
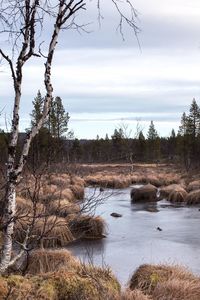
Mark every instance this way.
x=44 y=172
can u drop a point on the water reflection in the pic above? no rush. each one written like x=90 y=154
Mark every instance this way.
x=150 y=207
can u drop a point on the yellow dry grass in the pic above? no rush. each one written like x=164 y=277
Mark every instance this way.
x=53 y=231
x=147 y=277
x=78 y=191
x=177 y=289
x=23 y=204
x=178 y=195
x=134 y=295
x=194 y=185
x=109 y=180
x=114 y=178
x=25 y=207
x=85 y=283
x=63 y=208
x=193 y=197
x=61 y=180
x=88 y=227
x=167 y=190
x=48 y=192
x=43 y=261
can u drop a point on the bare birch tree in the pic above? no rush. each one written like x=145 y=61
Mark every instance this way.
x=20 y=21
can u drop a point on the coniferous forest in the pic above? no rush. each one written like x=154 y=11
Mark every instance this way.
x=55 y=139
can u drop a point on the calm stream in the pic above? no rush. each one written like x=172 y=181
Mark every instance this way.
x=133 y=239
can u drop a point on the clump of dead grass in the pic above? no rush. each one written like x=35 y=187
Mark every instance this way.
x=43 y=261
x=178 y=196
x=147 y=192
x=63 y=208
x=193 y=197
x=28 y=208
x=87 y=282
x=134 y=295
x=147 y=277
x=61 y=180
x=194 y=185
x=78 y=191
x=167 y=190
x=88 y=227
x=176 y=289
x=52 y=231
x=109 y=180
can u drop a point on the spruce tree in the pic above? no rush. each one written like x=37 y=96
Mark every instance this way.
x=58 y=119
x=153 y=149
x=37 y=109
x=152 y=133
x=193 y=120
x=141 y=146
x=183 y=128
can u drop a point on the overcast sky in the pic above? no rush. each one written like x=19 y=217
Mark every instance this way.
x=104 y=80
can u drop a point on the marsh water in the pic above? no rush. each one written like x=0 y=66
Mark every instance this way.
x=134 y=239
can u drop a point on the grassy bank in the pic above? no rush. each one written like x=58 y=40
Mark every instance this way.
x=57 y=275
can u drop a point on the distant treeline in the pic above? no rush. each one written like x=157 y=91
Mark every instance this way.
x=55 y=143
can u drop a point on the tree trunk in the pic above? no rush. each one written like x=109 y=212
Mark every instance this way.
x=9 y=226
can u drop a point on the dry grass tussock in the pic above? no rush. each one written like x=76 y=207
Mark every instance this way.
x=78 y=191
x=194 y=185
x=178 y=195
x=53 y=187
x=51 y=192
x=86 y=282
x=24 y=207
x=23 y=204
x=147 y=192
x=88 y=227
x=44 y=261
x=193 y=198
x=147 y=277
x=139 y=175
x=154 y=178
x=63 y=208
x=53 y=231
x=134 y=295
x=109 y=180
x=176 y=289
x=167 y=190
x=61 y=180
